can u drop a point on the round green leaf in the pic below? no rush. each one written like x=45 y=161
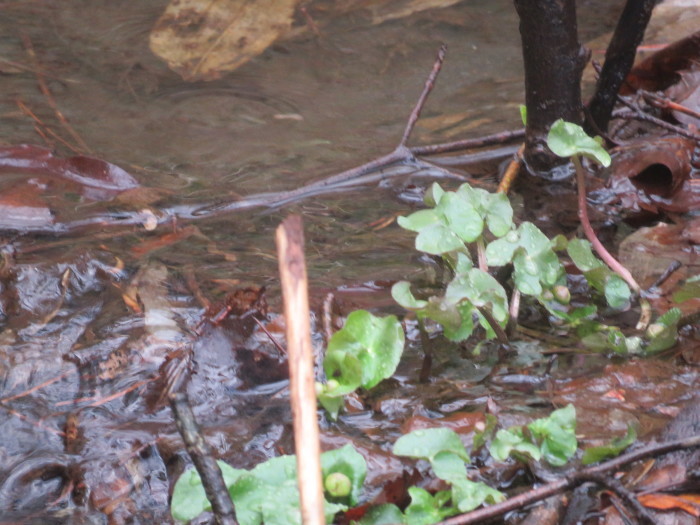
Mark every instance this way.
x=377 y=342
x=418 y=220
x=437 y=239
x=566 y=139
x=617 y=292
x=461 y=217
x=401 y=293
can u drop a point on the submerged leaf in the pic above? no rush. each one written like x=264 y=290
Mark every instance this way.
x=201 y=39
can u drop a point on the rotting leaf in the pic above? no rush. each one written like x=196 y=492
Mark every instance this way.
x=98 y=179
x=200 y=39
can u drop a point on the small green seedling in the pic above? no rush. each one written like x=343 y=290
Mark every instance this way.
x=552 y=438
x=569 y=140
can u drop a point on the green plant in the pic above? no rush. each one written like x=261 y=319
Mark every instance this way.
x=552 y=438
x=569 y=140
x=457 y=220
x=269 y=492
x=360 y=355
x=473 y=292
x=470 y=222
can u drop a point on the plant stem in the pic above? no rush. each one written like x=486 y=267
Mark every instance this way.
x=604 y=254
x=481 y=254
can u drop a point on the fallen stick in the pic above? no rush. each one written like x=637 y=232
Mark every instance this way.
x=302 y=393
x=204 y=462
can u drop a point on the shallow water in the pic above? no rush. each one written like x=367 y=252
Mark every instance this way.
x=86 y=335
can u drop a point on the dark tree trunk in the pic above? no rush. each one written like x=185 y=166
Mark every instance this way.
x=554 y=62
x=619 y=58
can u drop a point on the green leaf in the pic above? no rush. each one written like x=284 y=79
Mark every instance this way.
x=480 y=289
x=582 y=255
x=532 y=238
x=248 y=495
x=499 y=214
x=460 y=216
x=419 y=220
x=512 y=440
x=462 y=263
x=442 y=447
x=444 y=312
x=613 y=449
x=523 y=114
x=566 y=139
x=689 y=290
x=466 y=324
x=344 y=372
x=189 y=499
x=481 y=437
x=468 y=495
x=401 y=293
x=350 y=463
x=557 y=434
x=617 y=292
x=384 y=514
x=437 y=239
x=433 y=195
x=448 y=466
x=603 y=338
x=276 y=471
x=426 y=509
x=377 y=342
x=500 y=252
x=525 y=274
x=664 y=332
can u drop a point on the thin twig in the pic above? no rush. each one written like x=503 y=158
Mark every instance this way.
x=512 y=171
x=204 y=462
x=500 y=333
x=302 y=393
x=642 y=514
x=675 y=265
x=282 y=350
x=480 y=142
x=429 y=84
x=665 y=103
x=638 y=114
x=49 y=96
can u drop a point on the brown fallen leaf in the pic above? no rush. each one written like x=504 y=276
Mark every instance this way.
x=201 y=39
x=163 y=241
x=669 y=502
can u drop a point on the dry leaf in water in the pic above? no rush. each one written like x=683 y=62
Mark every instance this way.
x=200 y=39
